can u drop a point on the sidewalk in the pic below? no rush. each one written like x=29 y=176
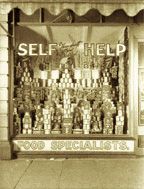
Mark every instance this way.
x=72 y=174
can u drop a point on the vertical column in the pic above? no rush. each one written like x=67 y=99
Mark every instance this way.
x=5 y=147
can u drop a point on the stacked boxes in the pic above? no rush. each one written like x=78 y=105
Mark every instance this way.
x=106 y=78
x=108 y=109
x=83 y=81
x=49 y=82
x=86 y=78
x=44 y=76
x=67 y=126
x=47 y=120
x=26 y=82
x=66 y=80
x=89 y=79
x=77 y=77
x=77 y=84
x=86 y=118
x=119 y=120
x=108 y=125
x=94 y=83
x=95 y=74
x=27 y=124
x=66 y=104
x=36 y=82
x=106 y=87
x=53 y=82
x=77 y=74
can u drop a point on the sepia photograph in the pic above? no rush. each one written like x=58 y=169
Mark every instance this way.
x=71 y=94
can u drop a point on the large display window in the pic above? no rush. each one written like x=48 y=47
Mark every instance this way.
x=69 y=80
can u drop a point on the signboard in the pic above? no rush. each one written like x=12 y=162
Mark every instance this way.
x=74 y=145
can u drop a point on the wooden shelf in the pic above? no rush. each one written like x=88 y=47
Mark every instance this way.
x=73 y=136
x=73 y=24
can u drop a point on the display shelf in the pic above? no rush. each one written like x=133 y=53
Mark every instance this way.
x=73 y=136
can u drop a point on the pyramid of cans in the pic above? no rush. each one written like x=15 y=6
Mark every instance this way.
x=66 y=80
x=86 y=118
x=47 y=119
x=66 y=104
x=26 y=78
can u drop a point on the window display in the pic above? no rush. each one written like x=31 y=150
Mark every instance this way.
x=68 y=91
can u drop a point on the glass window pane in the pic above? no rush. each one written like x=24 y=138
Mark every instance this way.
x=141 y=82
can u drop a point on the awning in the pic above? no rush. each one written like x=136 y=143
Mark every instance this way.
x=80 y=7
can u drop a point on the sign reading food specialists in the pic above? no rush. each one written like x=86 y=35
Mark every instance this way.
x=75 y=145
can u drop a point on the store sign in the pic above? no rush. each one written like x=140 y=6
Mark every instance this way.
x=99 y=49
x=75 y=145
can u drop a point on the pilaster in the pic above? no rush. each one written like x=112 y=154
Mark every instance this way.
x=5 y=146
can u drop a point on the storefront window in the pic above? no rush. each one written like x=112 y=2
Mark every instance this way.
x=70 y=80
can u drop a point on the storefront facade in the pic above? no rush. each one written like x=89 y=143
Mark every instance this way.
x=71 y=79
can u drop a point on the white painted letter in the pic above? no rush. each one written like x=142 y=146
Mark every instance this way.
x=51 y=48
x=41 y=50
x=100 y=47
x=120 y=49
x=23 y=51
x=88 y=48
x=31 y=48
x=109 y=51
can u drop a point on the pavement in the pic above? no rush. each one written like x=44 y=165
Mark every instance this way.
x=111 y=173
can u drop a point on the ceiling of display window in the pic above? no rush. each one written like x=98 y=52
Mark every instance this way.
x=57 y=34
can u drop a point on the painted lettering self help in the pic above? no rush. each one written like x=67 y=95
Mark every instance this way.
x=98 y=49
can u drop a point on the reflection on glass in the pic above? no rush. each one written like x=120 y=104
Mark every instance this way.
x=141 y=54
x=141 y=82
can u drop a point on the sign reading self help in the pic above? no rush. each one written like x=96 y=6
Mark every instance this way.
x=97 y=49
